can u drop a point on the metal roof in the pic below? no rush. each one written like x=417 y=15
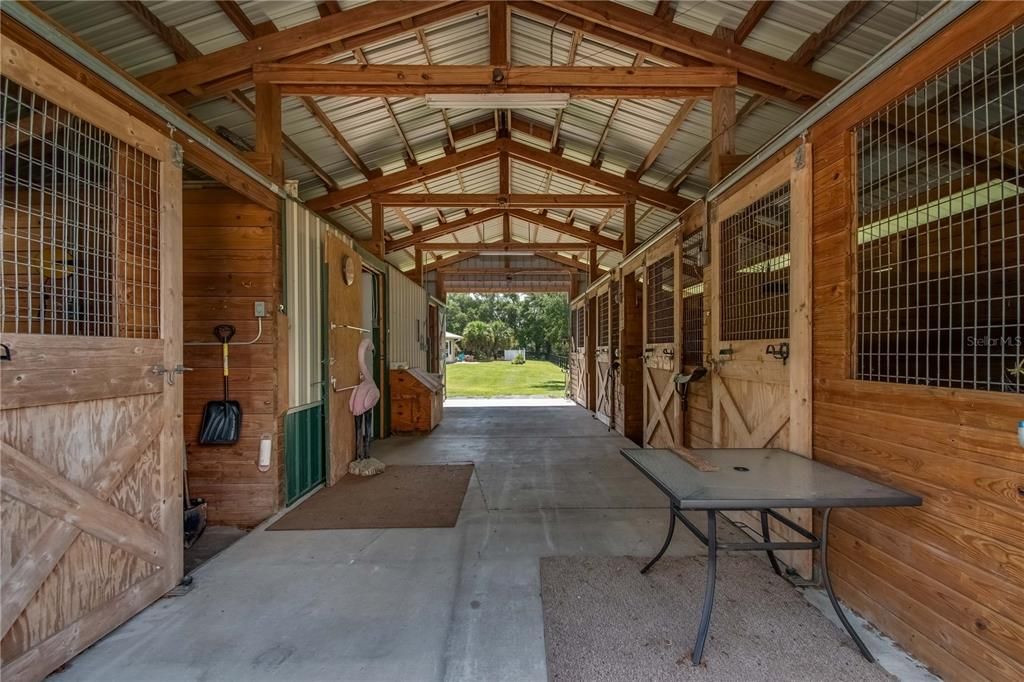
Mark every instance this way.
x=380 y=141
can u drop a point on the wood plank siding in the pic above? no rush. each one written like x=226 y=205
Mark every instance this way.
x=232 y=260
x=946 y=580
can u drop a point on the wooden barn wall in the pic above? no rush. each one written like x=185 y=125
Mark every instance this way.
x=231 y=260
x=945 y=580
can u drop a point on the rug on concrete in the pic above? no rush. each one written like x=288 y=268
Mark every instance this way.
x=605 y=621
x=428 y=496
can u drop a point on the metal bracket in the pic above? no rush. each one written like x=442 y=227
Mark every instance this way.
x=800 y=156
x=177 y=155
x=169 y=373
x=779 y=352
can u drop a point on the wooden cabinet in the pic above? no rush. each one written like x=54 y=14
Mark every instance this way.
x=417 y=400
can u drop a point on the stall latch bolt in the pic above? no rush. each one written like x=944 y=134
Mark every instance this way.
x=779 y=352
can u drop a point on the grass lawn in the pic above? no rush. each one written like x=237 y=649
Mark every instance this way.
x=497 y=379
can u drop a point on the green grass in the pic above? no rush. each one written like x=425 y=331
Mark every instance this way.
x=537 y=378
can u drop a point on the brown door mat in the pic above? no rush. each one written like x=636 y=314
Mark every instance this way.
x=605 y=621
x=428 y=496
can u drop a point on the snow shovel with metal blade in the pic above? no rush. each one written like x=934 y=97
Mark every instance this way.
x=222 y=419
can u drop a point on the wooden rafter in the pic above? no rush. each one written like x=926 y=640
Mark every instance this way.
x=674 y=36
x=574 y=46
x=410 y=155
x=637 y=61
x=406 y=177
x=241 y=20
x=666 y=136
x=803 y=56
x=751 y=19
x=439 y=263
x=573 y=263
x=476 y=247
x=501 y=200
x=282 y=44
x=640 y=42
x=184 y=49
x=444 y=229
x=566 y=228
x=412 y=80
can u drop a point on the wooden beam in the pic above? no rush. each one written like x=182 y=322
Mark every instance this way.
x=723 y=130
x=567 y=229
x=498 y=31
x=596 y=156
x=629 y=228
x=666 y=136
x=593 y=264
x=413 y=80
x=574 y=46
x=182 y=48
x=582 y=171
x=502 y=200
x=328 y=125
x=505 y=271
x=268 y=129
x=477 y=247
x=641 y=43
x=804 y=55
x=406 y=177
x=785 y=74
x=665 y=10
x=376 y=243
x=573 y=263
x=282 y=44
x=751 y=19
x=448 y=260
x=444 y=229
x=417 y=268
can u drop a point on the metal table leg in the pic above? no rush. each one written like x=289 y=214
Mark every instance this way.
x=668 y=539
x=709 y=591
x=831 y=595
x=767 y=538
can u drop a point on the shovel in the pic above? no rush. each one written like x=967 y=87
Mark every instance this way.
x=222 y=419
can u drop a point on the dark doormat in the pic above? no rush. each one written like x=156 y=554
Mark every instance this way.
x=428 y=496
x=605 y=621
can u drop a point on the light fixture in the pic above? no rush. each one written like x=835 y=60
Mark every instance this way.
x=498 y=100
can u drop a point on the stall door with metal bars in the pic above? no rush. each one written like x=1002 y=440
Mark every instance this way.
x=761 y=326
x=662 y=427
x=604 y=374
x=90 y=310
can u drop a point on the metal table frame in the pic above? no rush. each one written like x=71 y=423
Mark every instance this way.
x=768 y=546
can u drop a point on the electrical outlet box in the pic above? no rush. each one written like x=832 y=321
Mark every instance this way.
x=261 y=308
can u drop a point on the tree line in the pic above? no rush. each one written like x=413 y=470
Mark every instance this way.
x=491 y=323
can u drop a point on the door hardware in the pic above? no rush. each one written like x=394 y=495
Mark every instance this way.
x=169 y=373
x=779 y=352
x=6 y=354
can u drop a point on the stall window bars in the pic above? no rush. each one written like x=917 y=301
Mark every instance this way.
x=660 y=300
x=755 y=269
x=579 y=326
x=692 y=280
x=80 y=225
x=614 y=304
x=602 y=319
x=938 y=228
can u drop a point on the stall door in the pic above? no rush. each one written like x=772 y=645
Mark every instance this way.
x=578 y=379
x=344 y=329
x=761 y=325
x=604 y=375
x=90 y=425
x=662 y=427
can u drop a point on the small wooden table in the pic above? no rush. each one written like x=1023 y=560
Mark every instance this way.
x=758 y=481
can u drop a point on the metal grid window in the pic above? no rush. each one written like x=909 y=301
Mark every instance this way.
x=602 y=319
x=660 y=300
x=939 y=240
x=80 y=223
x=692 y=279
x=755 y=270
x=614 y=303
x=579 y=326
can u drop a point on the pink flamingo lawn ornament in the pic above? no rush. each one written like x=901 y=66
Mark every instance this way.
x=364 y=396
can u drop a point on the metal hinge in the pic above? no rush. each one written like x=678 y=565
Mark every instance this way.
x=177 y=155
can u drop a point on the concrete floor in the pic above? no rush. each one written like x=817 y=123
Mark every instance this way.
x=457 y=603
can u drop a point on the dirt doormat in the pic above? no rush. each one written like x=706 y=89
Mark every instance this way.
x=428 y=496
x=605 y=621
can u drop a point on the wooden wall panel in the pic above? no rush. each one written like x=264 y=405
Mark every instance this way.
x=945 y=580
x=232 y=260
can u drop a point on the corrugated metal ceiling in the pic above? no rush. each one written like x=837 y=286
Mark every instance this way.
x=380 y=141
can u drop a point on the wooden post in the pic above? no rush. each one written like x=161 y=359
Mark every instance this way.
x=595 y=270
x=376 y=245
x=574 y=284
x=629 y=226
x=269 y=138
x=442 y=295
x=723 y=131
x=498 y=29
x=417 y=270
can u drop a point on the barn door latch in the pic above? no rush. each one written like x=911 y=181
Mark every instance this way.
x=779 y=352
x=5 y=352
x=160 y=370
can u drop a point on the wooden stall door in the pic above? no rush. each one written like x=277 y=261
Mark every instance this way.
x=661 y=356
x=604 y=377
x=90 y=431
x=344 y=307
x=760 y=300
